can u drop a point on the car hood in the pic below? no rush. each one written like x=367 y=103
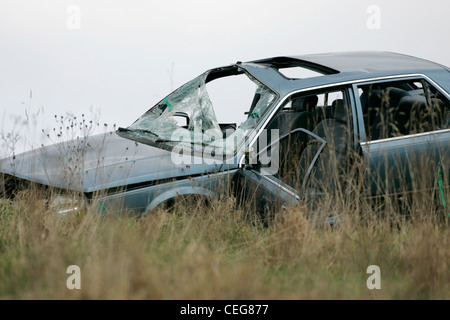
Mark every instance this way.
x=99 y=162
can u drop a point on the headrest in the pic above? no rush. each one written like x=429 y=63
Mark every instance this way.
x=396 y=93
x=305 y=104
x=339 y=112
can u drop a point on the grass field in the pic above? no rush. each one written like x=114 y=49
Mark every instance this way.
x=222 y=252
x=219 y=253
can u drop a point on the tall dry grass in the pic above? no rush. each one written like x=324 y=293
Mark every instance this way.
x=218 y=252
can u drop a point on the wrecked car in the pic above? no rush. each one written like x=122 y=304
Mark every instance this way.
x=272 y=132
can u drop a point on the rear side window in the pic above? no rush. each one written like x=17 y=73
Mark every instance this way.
x=400 y=108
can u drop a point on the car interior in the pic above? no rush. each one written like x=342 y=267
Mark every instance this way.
x=298 y=148
x=399 y=109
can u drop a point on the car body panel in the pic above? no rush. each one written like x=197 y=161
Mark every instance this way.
x=139 y=201
x=102 y=162
x=139 y=176
x=410 y=162
x=358 y=66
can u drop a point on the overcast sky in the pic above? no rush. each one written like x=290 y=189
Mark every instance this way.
x=118 y=58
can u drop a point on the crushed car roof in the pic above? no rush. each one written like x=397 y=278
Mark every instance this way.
x=348 y=66
x=362 y=61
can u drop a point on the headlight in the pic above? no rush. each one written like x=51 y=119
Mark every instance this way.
x=66 y=204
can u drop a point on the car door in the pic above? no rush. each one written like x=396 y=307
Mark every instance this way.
x=404 y=125
x=300 y=157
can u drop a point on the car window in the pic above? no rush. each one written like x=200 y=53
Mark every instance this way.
x=314 y=133
x=399 y=108
x=211 y=114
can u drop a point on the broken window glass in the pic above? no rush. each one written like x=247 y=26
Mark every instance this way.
x=201 y=128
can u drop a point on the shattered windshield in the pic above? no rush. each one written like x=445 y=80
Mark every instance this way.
x=188 y=118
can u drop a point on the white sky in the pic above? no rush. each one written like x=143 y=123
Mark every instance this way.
x=127 y=55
